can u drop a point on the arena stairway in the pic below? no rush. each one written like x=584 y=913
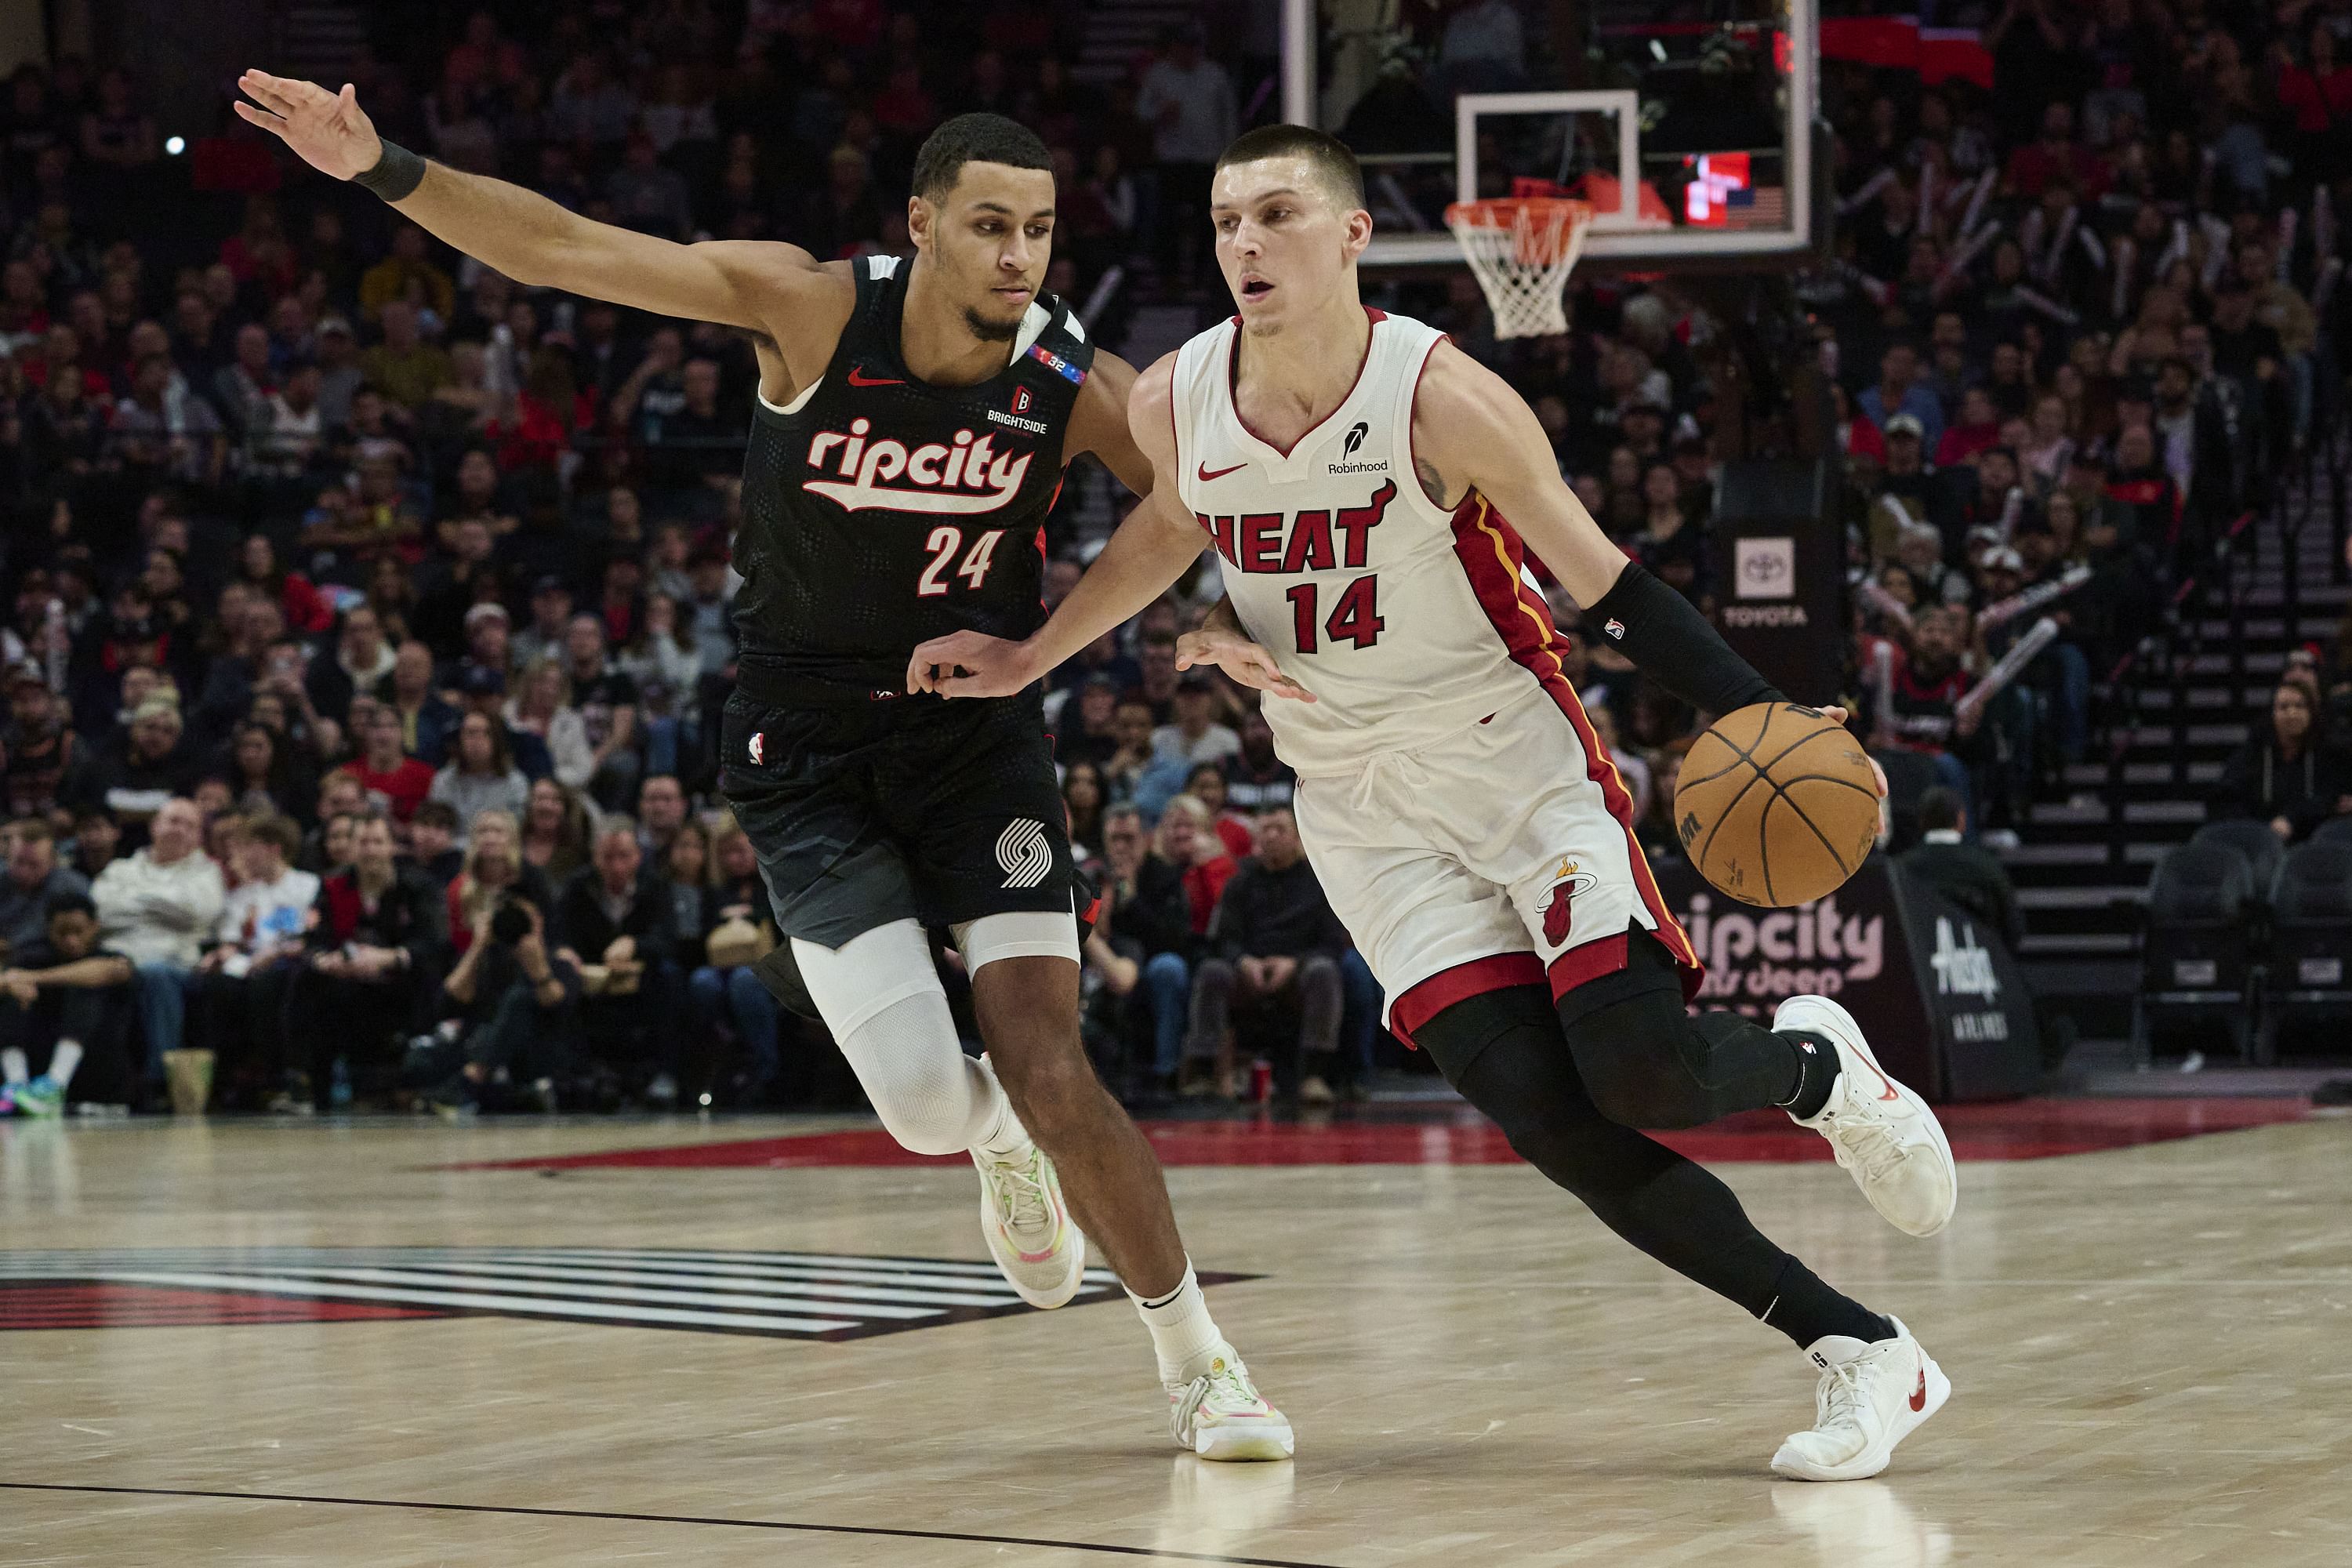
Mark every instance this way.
x=2085 y=857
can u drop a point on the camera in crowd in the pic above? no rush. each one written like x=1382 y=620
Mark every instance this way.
x=510 y=923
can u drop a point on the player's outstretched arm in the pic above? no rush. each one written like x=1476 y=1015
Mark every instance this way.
x=1150 y=551
x=1472 y=431
x=533 y=240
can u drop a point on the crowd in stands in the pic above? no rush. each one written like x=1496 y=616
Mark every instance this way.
x=367 y=613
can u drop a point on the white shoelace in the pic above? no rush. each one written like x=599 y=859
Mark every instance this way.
x=1840 y=1399
x=1021 y=1193
x=1872 y=1147
x=1227 y=1380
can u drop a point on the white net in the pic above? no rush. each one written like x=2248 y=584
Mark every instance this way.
x=1521 y=252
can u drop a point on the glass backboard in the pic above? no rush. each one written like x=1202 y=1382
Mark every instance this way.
x=1688 y=124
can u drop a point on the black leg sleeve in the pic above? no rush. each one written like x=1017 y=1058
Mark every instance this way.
x=1503 y=1051
x=1647 y=1063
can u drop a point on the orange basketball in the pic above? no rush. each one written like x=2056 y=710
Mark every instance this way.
x=1777 y=805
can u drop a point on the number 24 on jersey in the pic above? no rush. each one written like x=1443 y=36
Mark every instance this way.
x=944 y=543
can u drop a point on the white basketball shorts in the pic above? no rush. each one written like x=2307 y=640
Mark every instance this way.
x=1502 y=855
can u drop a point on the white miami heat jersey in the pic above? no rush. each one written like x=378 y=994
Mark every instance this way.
x=1406 y=621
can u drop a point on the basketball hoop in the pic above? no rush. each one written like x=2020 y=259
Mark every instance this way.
x=1521 y=249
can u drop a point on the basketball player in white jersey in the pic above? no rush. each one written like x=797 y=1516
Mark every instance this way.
x=1355 y=472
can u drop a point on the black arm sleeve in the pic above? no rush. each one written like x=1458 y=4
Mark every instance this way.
x=1671 y=642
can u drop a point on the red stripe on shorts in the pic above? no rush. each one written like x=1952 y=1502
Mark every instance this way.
x=1590 y=961
x=1491 y=555
x=1428 y=998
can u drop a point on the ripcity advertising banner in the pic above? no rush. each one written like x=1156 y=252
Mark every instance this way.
x=1943 y=1003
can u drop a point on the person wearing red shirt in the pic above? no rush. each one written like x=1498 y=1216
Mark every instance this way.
x=1186 y=839
x=2057 y=155
x=397 y=783
x=1977 y=430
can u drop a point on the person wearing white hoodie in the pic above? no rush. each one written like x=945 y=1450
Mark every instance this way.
x=155 y=908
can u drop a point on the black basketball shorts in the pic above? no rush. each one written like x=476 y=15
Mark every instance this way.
x=913 y=807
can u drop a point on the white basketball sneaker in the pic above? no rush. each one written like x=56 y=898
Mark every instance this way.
x=1029 y=1230
x=1883 y=1133
x=1220 y=1414
x=1871 y=1397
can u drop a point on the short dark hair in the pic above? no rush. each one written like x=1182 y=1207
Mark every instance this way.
x=1331 y=157
x=69 y=902
x=975 y=139
x=437 y=814
x=1939 y=808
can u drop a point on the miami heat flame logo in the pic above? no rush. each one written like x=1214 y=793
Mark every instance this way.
x=1569 y=881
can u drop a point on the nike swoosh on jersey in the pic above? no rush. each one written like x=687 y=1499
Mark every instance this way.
x=857 y=377
x=1206 y=476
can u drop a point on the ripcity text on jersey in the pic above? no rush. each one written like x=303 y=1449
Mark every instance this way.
x=1407 y=621
x=880 y=511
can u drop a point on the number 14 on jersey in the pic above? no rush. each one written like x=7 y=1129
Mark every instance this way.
x=1356 y=619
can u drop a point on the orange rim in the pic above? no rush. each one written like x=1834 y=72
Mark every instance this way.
x=1543 y=226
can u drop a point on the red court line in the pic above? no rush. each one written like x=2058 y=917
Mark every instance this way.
x=1454 y=1135
x=105 y=1304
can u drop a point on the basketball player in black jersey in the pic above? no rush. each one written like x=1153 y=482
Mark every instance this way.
x=915 y=420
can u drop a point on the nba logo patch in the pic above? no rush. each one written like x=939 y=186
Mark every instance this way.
x=1021 y=400
x=1615 y=628
x=757 y=747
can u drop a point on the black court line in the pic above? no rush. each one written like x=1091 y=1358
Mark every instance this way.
x=789 y=1525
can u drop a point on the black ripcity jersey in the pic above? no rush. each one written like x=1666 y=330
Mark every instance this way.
x=879 y=512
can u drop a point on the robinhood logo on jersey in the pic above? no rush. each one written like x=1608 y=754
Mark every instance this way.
x=961 y=477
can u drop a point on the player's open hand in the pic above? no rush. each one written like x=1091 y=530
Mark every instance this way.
x=327 y=128
x=971 y=664
x=1238 y=656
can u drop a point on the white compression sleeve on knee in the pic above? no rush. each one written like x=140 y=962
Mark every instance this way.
x=881 y=999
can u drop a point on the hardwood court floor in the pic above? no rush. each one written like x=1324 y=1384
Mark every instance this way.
x=2146 y=1345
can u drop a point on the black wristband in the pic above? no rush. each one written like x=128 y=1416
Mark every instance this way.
x=1670 y=641
x=396 y=174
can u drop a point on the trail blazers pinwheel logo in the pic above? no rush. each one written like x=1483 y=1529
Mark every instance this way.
x=788 y=1295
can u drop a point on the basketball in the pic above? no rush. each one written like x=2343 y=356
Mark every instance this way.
x=1777 y=805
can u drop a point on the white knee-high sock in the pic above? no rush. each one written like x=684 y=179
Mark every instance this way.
x=1183 y=1336
x=63 y=1061
x=13 y=1068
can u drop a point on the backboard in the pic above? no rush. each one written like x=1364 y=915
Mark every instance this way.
x=1690 y=127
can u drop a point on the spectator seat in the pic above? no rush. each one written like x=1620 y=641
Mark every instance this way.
x=2310 y=959
x=2199 y=950
x=2335 y=830
x=2252 y=839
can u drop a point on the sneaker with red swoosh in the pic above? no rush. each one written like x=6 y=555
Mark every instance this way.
x=1871 y=1397
x=1028 y=1226
x=1884 y=1134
